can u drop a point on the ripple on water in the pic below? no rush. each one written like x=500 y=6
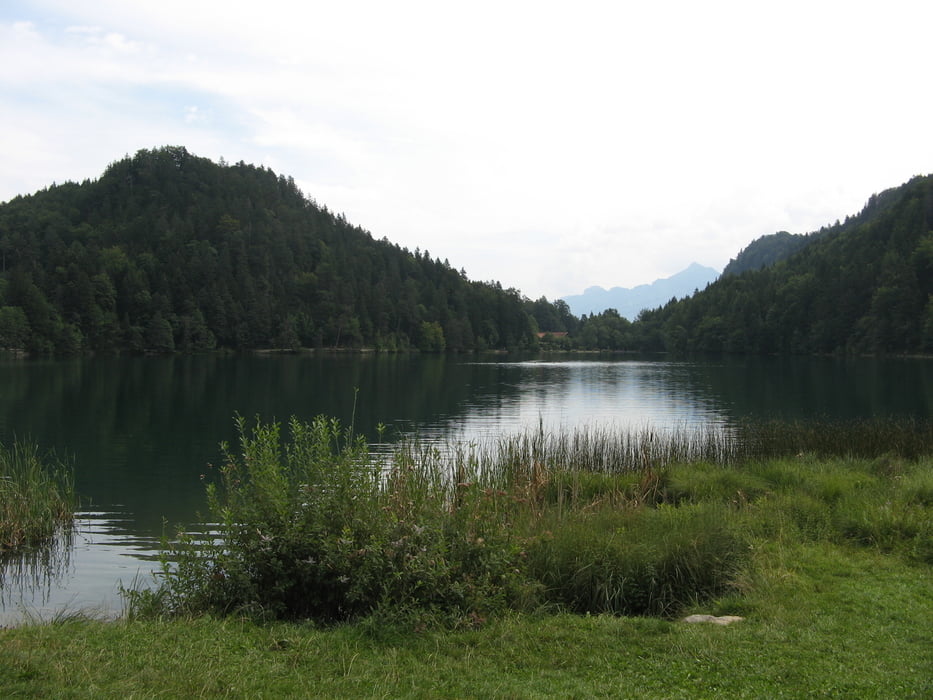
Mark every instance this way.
x=81 y=572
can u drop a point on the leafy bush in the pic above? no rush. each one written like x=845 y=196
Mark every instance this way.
x=319 y=530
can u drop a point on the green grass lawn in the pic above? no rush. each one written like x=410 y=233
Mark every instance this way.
x=821 y=621
x=829 y=560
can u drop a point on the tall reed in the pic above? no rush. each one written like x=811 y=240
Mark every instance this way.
x=37 y=497
x=601 y=449
x=906 y=437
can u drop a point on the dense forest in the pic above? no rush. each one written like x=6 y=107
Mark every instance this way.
x=861 y=286
x=171 y=252
x=766 y=251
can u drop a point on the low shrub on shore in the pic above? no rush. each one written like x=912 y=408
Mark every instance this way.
x=319 y=530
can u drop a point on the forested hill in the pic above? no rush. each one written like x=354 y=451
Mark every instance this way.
x=865 y=285
x=167 y=251
x=766 y=251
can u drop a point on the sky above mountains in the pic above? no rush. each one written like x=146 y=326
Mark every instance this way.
x=550 y=146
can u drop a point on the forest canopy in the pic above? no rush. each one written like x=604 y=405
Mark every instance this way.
x=170 y=252
x=862 y=286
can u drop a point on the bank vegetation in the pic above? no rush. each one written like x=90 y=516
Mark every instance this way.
x=37 y=498
x=534 y=565
x=312 y=526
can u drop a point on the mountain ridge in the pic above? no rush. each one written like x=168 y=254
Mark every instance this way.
x=864 y=286
x=630 y=301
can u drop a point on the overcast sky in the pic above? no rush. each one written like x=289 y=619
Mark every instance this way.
x=550 y=146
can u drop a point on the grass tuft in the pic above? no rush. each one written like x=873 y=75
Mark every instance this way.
x=37 y=498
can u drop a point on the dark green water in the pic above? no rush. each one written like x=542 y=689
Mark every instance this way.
x=141 y=431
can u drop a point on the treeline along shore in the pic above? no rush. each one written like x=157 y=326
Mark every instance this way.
x=170 y=252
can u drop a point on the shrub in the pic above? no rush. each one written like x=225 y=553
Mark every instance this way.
x=319 y=530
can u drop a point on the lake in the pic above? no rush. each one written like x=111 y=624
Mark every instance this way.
x=140 y=432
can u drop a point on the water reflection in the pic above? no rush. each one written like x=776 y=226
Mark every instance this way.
x=82 y=572
x=142 y=431
x=35 y=572
x=560 y=396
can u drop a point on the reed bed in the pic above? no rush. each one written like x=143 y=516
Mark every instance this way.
x=37 y=498
x=610 y=450
x=607 y=450
x=906 y=437
x=583 y=453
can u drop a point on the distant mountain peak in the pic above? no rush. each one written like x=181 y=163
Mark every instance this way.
x=630 y=301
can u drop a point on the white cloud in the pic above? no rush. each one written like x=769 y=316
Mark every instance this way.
x=195 y=115
x=546 y=145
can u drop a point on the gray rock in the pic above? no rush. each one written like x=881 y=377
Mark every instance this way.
x=713 y=619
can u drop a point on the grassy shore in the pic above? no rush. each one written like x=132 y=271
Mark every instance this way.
x=537 y=566
x=822 y=620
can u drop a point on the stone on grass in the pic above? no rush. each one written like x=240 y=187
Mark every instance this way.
x=713 y=619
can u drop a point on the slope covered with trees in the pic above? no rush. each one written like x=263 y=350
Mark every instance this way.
x=766 y=251
x=171 y=252
x=865 y=286
x=167 y=252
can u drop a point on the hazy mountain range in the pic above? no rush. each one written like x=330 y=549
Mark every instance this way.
x=629 y=302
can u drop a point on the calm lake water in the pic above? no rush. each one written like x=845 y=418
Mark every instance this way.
x=141 y=431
